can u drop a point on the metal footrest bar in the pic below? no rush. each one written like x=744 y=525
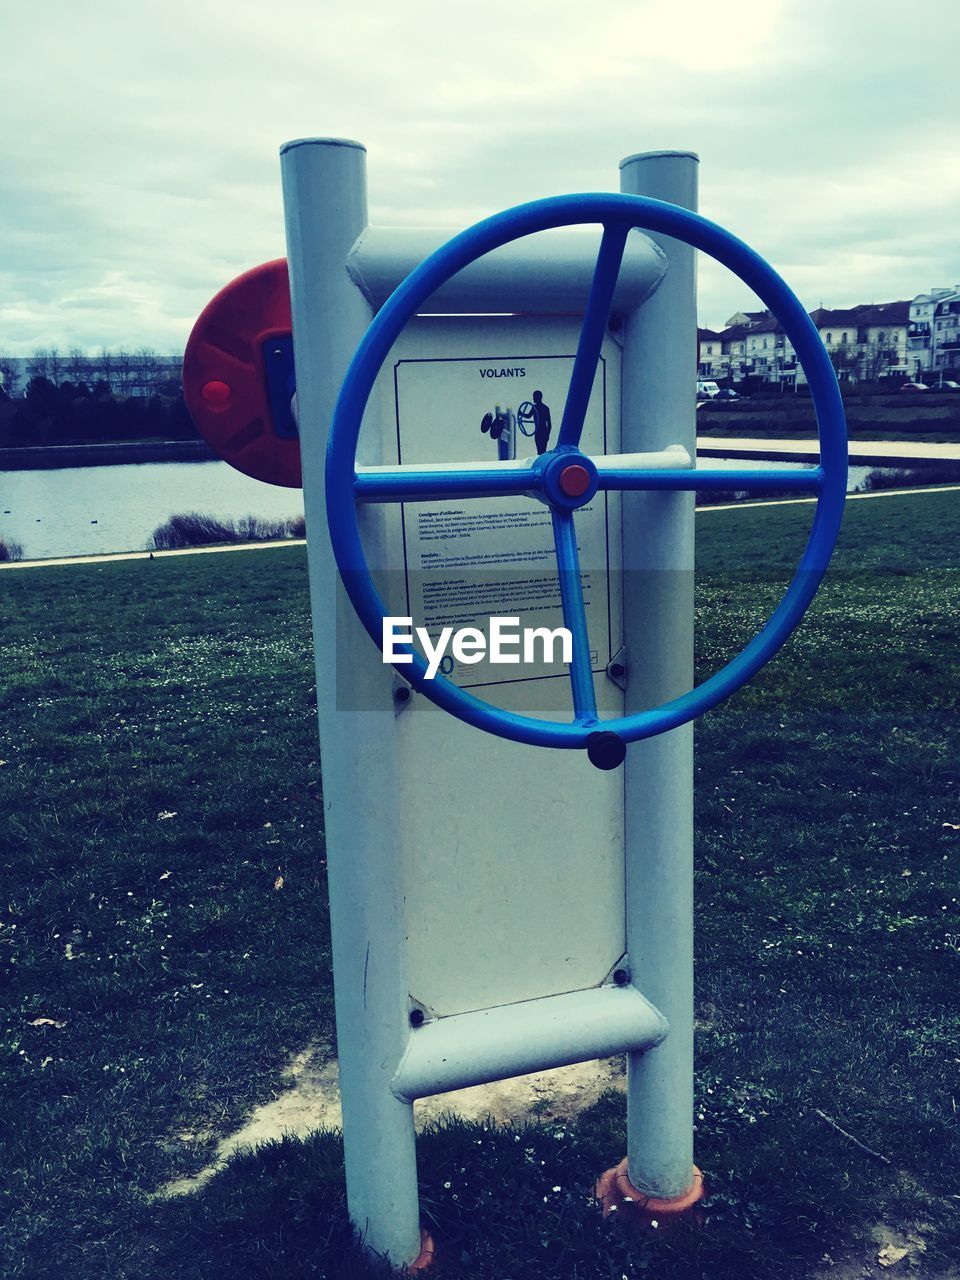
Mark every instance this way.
x=493 y=1044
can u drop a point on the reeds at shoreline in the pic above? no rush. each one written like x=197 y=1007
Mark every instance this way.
x=198 y=529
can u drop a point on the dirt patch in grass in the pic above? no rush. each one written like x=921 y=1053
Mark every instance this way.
x=311 y=1101
x=886 y=1251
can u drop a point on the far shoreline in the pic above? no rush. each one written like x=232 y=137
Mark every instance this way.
x=110 y=454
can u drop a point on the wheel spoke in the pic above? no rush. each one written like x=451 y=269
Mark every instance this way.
x=574 y=615
x=468 y=480
x=591 y=335
x=755 y=479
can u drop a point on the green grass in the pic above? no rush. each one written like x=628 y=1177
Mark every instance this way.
x=185 y=978
x=128 y=695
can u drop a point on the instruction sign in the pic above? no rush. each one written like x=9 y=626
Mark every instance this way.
x=466 y=561
x=525 y=914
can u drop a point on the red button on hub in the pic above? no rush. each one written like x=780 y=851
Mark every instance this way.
x=574 y=480
x=216 y=394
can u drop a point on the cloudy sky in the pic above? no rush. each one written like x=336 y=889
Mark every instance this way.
x=139 y=155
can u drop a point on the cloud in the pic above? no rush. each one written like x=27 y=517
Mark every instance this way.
x=141 y=154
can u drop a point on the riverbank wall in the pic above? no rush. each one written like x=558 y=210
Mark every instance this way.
x=52 y=457
x=903 y=415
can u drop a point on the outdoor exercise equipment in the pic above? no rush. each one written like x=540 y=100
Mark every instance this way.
x=526 y=417
x=497 y=909
x=499 y=425
x=238 y=376
x=567 y=479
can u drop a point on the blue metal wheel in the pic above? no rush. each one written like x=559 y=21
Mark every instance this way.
x=567 y=479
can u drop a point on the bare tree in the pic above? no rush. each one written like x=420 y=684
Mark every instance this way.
x=103 y=368
x=874 y=358
x=9 y=374
x=146 y=363
x=47 y=362
x=844 y=359
x=125 y=372
x=38 y=364
x=78 y=366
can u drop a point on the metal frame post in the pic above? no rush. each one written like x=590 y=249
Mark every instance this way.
x=659 y=409
x=325 y=210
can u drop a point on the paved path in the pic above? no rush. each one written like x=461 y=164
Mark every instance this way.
x=851 y=497
x=149 y=555
x=862 y=452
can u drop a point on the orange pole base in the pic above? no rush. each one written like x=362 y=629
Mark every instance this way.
x=427 y=1254
x=617 y=1193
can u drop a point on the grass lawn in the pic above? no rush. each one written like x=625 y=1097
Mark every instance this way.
x=164 y=943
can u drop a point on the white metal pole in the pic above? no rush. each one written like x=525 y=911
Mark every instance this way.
x=659 y=409
x=324 y=193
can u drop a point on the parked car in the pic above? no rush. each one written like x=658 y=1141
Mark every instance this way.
x=728 y=393
x=914 y=386
x=947 y=385
x=707 y=390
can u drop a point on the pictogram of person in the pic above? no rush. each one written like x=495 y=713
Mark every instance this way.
x=500 y=427
x=542 y=423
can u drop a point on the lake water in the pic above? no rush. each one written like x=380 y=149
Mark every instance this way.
x=89 y=510
x=52 y=513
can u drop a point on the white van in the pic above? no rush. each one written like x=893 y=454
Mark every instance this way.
x=707 y=390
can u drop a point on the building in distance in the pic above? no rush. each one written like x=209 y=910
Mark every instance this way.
x=865 y=343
